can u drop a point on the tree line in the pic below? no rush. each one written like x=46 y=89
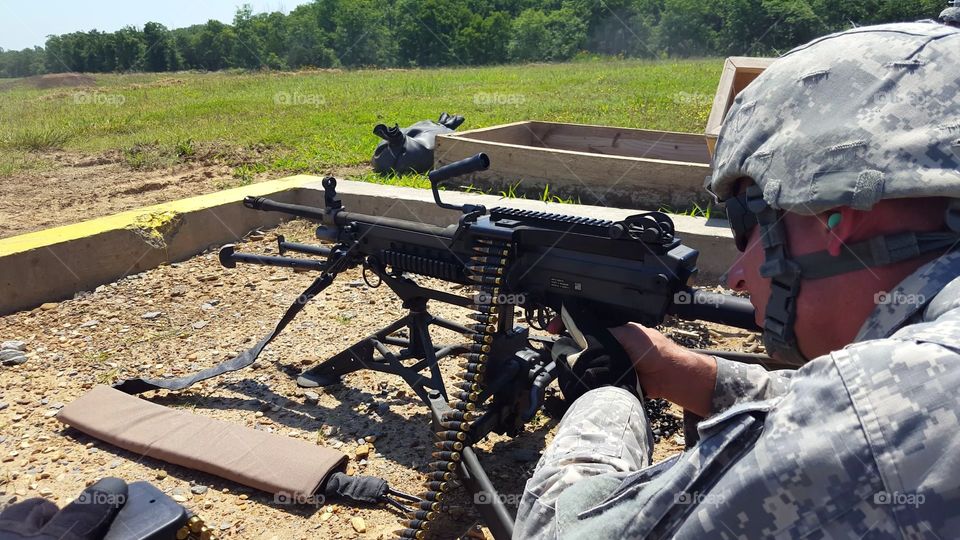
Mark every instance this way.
x=424 y=33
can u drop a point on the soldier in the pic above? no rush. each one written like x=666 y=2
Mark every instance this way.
x=840 y=169
x=951 y=15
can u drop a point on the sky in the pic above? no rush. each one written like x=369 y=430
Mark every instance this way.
x=27 y=23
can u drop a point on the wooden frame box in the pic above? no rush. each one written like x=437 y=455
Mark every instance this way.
x=599 y=165
x=738 y=72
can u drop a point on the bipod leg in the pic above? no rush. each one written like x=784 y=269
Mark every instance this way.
x=422 y=346
x=372 y=353
x=356 y=357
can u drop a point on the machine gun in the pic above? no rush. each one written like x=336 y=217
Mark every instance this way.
x=631 y=270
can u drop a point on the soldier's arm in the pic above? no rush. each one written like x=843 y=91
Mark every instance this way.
x=702 y=384
x=739 y=383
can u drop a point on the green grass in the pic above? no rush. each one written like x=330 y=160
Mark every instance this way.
x=148 y=156
x=14 y=161
x=315 y=121
x=693 y=211
x=394 y=179
x=36 y=139
x=516 y=190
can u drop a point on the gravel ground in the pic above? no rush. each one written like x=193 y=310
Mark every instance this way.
x=180 y=318
x=70 y=187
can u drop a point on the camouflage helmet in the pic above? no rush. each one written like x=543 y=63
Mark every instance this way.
x=848 y=120
x=951 y=15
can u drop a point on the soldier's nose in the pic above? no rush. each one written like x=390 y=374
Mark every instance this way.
x=734 y=279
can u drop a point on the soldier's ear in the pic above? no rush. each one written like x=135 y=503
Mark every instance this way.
x=841 y=225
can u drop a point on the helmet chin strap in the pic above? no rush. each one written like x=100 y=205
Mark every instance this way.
x=785 y=274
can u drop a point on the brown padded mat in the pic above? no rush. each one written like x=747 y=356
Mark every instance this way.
x=272 y=463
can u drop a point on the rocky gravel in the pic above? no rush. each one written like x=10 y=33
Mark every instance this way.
x=183 y=317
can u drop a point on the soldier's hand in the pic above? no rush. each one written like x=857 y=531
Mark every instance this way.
x=667 y=370
x=590 y=357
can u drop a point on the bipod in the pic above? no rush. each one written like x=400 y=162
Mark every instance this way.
x=373 y=352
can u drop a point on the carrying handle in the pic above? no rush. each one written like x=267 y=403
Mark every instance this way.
x=479 y=162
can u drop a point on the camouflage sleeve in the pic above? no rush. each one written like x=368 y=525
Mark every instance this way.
x=605 y=433
x=740 y=383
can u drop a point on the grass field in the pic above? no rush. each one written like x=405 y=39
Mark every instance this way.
x=314 y=121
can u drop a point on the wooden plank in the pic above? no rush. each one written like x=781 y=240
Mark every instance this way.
x=594 y=178
x=515 y=133
x=478 y=133
x=738 y=73
x=751 y=64
x=547 y=128
x=627 y=142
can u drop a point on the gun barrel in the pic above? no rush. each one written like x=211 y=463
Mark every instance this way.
x=394 y=223
x=229 y=259
x=695 y=304
x=285 y=246
x=341 y=218
x=267 y=205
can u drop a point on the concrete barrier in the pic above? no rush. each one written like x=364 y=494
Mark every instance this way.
x=55 y=264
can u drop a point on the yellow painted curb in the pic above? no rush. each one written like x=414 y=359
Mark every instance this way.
x=154 y=223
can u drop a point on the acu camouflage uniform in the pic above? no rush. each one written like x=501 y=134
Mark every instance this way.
x=861 y=443
x=950 y=16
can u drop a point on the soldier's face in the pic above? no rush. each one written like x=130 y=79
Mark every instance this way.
x=744 y=275
x=830 y=310
x=820 y=327
x=817 y=329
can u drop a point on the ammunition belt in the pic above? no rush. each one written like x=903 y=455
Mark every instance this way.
x=485 y=271
x=195 y=529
